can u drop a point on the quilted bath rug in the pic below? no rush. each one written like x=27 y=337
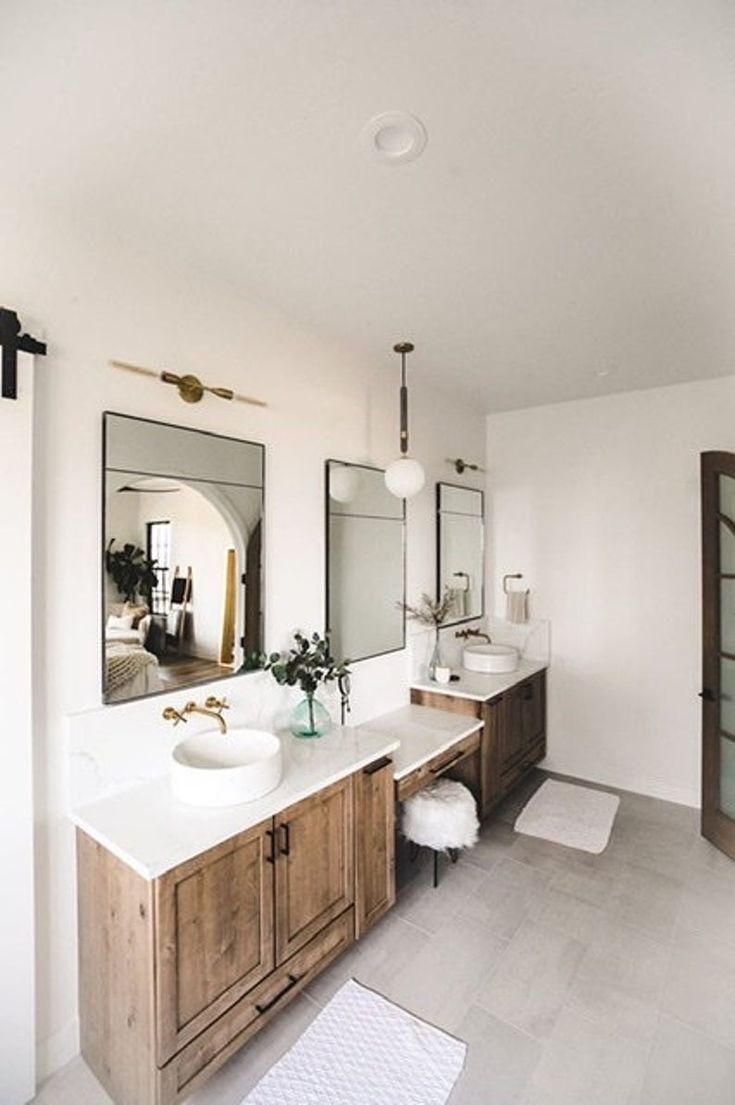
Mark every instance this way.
x=575 y=816
x=364 y=1050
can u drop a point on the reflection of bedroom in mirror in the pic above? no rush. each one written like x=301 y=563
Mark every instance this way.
x=460 y=539
x=182 y=563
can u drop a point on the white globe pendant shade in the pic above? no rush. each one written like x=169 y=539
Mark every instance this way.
x=344 y=483
x=404 y=478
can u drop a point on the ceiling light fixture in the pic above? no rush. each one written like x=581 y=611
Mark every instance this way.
x=394 y=137
x=405 y=477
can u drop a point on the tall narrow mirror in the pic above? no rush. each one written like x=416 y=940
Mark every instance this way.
x=365 y=537
x=460 y=540
x=182 y=579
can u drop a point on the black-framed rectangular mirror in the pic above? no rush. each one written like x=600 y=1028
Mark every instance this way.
x=182 y=556
x=460 y=550
x=365 y=562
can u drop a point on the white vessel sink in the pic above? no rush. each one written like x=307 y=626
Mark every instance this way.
x=490 y=659
x=225 y=769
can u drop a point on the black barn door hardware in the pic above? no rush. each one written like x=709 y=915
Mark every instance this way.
x=14 y=341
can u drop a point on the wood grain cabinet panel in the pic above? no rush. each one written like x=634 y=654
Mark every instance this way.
x=214 y=934
x=375 y=883
x=315 y=871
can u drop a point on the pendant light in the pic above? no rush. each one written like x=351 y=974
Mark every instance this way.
x=405 y=477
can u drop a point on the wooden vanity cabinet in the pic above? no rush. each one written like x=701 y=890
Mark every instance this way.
x=178 y=972
x=513 y=735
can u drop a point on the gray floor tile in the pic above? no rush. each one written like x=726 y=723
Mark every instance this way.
x=708 y=904
x=430 y=907
x=74 y=1084
x=497 y=839
x=582 y=1064
x=443 y=980
x=700 y=989
x=503 y=899
x=500 y=1061
x=532 y=980
x=645 y=899
x=563 y=911
x=686 y=1068
x=620 y=981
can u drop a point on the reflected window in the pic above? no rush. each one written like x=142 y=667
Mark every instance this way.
x=158 y=549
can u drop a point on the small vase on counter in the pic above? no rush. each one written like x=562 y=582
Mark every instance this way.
x=308 y=664
x=310 y=718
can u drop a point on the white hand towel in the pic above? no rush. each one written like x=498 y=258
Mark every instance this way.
x=516 y=606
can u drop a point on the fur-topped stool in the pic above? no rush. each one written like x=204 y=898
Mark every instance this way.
x=442 y=817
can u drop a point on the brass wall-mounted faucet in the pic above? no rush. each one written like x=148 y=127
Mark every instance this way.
x=212 y=707
x=465 y=634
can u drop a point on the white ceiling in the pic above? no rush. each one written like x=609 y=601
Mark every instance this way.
x=573 y=213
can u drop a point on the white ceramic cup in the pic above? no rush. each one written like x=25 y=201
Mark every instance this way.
x=443 y=675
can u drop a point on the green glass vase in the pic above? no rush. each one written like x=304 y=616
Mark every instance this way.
x=310 y=718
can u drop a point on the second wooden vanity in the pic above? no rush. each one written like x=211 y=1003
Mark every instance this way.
x=513 y=714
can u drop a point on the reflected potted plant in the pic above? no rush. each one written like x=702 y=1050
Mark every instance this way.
x=132 y=572
x=309 y=663
x=433 y=613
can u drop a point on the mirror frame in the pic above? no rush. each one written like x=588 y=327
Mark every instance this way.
x=478 y=491
x=327 y=515
x=103 y=536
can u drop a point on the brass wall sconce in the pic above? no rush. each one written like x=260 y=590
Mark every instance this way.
x=190 y=388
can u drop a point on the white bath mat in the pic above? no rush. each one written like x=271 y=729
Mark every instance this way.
x=364 y=1050
x=571 y=815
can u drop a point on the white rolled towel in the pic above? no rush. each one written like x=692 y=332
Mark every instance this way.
x=441 y=816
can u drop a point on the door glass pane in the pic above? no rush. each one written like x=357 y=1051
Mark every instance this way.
x=727 y=695
x=727 y=615
x=727 y=537
x=727 y=776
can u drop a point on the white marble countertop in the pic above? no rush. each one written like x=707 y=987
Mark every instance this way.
x=151 y=831
x=480 y=687
x=424 y=733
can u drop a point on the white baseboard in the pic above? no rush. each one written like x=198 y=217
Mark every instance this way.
x=57 y=1050
x=682 y=796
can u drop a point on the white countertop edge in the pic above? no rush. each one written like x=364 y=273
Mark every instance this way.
x=253 y=812
x=472 y=727
x=525 y=670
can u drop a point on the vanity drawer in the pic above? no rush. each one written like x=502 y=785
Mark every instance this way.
x=437 y=765
x=200 y=1058
x=510 y=778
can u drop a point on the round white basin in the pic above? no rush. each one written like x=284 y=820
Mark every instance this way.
x=490 y=659
x=226 y=769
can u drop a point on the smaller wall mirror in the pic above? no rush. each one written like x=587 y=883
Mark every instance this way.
x=365 y=538
x=460 y=541
x=182 y=580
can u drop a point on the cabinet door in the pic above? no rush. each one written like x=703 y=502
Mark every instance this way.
x=214 y=934
x=315 y=866
x=375 y=883
x=533 y=709
x=510 y=735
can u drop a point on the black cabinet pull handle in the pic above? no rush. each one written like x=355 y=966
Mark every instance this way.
x=293 y=980
x=708 y=695
x=286 y=846
x=448 y=763
x=385 y=761
x=272 y=838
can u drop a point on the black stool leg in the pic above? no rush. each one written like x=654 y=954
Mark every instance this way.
x=436 y=869
x=453 y=854
x=413 y=851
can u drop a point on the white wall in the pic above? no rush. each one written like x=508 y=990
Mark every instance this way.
x=17 y=1012
x=100 y=298
x=597 y=503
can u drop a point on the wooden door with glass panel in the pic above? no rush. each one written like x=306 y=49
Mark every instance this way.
x=718 y=640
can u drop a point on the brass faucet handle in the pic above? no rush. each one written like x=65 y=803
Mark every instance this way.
x=172 y=714
x=213 y=703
